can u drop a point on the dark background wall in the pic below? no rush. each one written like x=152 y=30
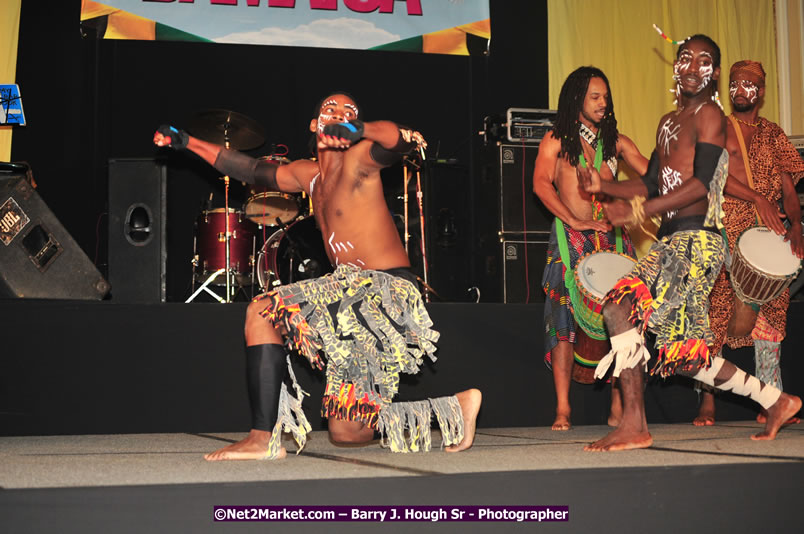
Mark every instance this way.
x=88 y=100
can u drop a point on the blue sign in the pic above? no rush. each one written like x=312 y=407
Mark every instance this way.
x=11 y=106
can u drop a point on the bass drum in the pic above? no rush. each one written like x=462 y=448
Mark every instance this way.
x=293 y=253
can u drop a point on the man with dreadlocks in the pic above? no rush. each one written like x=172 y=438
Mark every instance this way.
x=365 y=323
x=585 y=129
x=667 y=291
x=763 y=168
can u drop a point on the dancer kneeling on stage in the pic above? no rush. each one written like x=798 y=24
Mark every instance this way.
x=365 y=323
x=667 y=292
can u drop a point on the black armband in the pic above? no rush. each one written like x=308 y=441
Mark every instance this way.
x=246 y=169
x=389 y=156
x=707 y=156
x=651 y=178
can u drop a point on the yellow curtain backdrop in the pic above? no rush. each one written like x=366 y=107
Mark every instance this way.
x=618 y=37
x=9 y=33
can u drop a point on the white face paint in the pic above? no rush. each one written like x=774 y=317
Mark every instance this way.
x=671 y=179
x=685 y=62
x=749 y=88
x=667 y=133
x=328 y=110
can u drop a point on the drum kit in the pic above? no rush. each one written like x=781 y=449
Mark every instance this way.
x=226 y=238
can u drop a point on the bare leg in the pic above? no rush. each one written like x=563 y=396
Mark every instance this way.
x=730 y=378
x=632 y=432
x=470 y=401
x=706 y=413
x=562 y=361
x=254 y=446
x=616 y=410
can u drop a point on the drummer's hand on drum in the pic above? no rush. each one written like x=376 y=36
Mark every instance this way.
x=618 y=211
x=589 y=178
x=793 y=235
x=770 y=215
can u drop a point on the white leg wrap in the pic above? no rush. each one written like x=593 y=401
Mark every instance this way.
x=741 y=384
x=627 y=351
x=707 y=376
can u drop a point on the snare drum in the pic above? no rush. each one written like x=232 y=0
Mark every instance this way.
x=211 y=244
x=265 y=207
x=291 y=254
x=763 y=266
x=595 y=275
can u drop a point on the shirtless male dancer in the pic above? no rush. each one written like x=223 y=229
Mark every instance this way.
x=667 y=292
x=365 y=323
x=585 y=129
x=775 y=168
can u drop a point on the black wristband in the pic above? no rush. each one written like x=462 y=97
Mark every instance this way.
x=351 y=131
x=176 y=138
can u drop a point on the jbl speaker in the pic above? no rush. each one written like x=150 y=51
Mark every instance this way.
x=39 y=258
x=520 y=209
x=137 y=244
x=523 y=266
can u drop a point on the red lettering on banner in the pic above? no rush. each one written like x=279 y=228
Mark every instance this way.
x=385 y=6
x=324 y=4
x=359 y=6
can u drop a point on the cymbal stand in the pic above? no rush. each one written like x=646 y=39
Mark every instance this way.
x=227 y=270
x=405 y=179
x=419 y=199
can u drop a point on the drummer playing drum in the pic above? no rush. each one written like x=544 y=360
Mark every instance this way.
x=363 y=323
x=585 y=131
x=763 y=170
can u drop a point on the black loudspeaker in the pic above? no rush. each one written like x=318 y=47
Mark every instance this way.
x=520 y=209
x=39 y=258
x=523 y=265
x=137 y=244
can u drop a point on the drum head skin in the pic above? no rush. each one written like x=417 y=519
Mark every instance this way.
x=599 y=272
x=767 y=252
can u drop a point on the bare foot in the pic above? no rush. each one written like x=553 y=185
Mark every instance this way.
x=706 y=413
x=562 y=422
x=778 y=415
x=252 y=447
x=762 y=418
x=622 y=439
x=470 y=401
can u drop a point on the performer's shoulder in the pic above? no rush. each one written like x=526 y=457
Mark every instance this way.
x=550 y=143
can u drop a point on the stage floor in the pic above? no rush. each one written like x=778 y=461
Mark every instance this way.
x=144 y=459
x=712 y=478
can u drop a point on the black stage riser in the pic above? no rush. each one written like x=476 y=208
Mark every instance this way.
x=100 y=367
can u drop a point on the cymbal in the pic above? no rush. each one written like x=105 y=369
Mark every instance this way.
x=219 y=126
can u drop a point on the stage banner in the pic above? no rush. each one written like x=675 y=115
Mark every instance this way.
x=428 y=26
